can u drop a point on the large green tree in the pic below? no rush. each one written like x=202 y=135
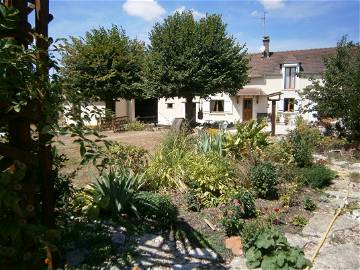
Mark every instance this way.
x=104 y=65
x=188 y=58
x=337 y=93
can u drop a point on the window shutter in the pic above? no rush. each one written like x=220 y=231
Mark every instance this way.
x=206 y=106
x=280 y=105
x=227 y=106
x=297 y=105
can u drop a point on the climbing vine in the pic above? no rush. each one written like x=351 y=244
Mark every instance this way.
x=31 y=98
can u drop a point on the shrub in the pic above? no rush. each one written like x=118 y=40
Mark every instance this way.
x=270 y=250
x=288 y=173
x=249 y=135
x=288 y=193
x=135 y=126
x=240 y=206
x=123 y=155
x=245 y=203
x=192 y=201
x=309 y=204
x=63 y=184
x=232 y=225
x=302 y=140
x=299 y=221
x=112 y=194
x=279 y=152
x=17 y=237
x=156 y=207
x=317 y=176
x=243 y=172
x=326 y=143
x=264 y=180
x=250 y=231
x=212 y=177
x=167 y=167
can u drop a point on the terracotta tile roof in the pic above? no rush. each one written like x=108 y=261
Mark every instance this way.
x=251 y=92
x=311 y=61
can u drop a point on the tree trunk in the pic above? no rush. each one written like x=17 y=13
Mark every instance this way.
x=190 y=110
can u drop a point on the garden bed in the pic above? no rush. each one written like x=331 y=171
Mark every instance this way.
x=181 y=204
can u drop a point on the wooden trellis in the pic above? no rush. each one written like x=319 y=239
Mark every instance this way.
x=35 y=153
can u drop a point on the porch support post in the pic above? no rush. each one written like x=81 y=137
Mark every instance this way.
x=273 y=112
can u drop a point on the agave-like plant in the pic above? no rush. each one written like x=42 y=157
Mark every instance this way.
x=207 y=142
x=248 y=134
x=114 y=193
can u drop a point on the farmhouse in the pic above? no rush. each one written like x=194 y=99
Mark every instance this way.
x=287 y=72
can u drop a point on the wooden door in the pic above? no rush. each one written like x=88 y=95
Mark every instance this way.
x=247 y=109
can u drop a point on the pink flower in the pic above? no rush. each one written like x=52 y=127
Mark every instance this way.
x=276 y=209
x=236 y=202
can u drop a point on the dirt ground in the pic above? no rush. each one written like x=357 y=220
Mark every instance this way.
x=85 y=174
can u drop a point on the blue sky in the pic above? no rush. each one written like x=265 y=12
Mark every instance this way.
x=290 y=24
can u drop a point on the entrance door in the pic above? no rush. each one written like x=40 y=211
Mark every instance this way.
x=247 y=111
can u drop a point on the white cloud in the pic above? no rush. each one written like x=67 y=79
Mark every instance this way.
x=197 y=14
x=146 y=9
x=254 y=13
x=272 y=4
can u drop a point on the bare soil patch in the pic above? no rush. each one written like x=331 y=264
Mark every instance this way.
x=195 y=228
x=149 y=140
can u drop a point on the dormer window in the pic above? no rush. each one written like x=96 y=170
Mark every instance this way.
x=289 y=77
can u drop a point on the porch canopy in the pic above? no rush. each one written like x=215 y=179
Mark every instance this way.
x=250 y=92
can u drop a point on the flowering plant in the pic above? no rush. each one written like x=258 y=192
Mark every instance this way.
x=240 y=206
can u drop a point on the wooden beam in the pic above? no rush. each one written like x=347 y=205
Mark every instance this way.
x=45 y=155
x=16 y=153
x=273 y=114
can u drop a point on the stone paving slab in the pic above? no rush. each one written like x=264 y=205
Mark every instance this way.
x=319 y=223
x=340 y=257
x=159 y=253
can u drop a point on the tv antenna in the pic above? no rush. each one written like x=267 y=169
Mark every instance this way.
x=263 y=18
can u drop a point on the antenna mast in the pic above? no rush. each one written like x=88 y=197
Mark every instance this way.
x=263 y=18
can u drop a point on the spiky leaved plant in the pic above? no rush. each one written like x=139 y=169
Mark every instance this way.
x=113 y=193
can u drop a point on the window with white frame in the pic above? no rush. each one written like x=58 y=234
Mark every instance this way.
x=169 y=105
x=289 y=77
x=216 y=105
x=289 y=104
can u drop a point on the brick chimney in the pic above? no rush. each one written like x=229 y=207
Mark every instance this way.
x=266 y=44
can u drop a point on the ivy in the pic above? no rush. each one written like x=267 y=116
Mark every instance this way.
x=8 y=18
x=23 y=89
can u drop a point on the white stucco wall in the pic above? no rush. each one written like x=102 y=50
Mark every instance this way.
x=88 y=110
x=122 y=108
x=233 y=109
x=167 y=115
x=271 y=84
